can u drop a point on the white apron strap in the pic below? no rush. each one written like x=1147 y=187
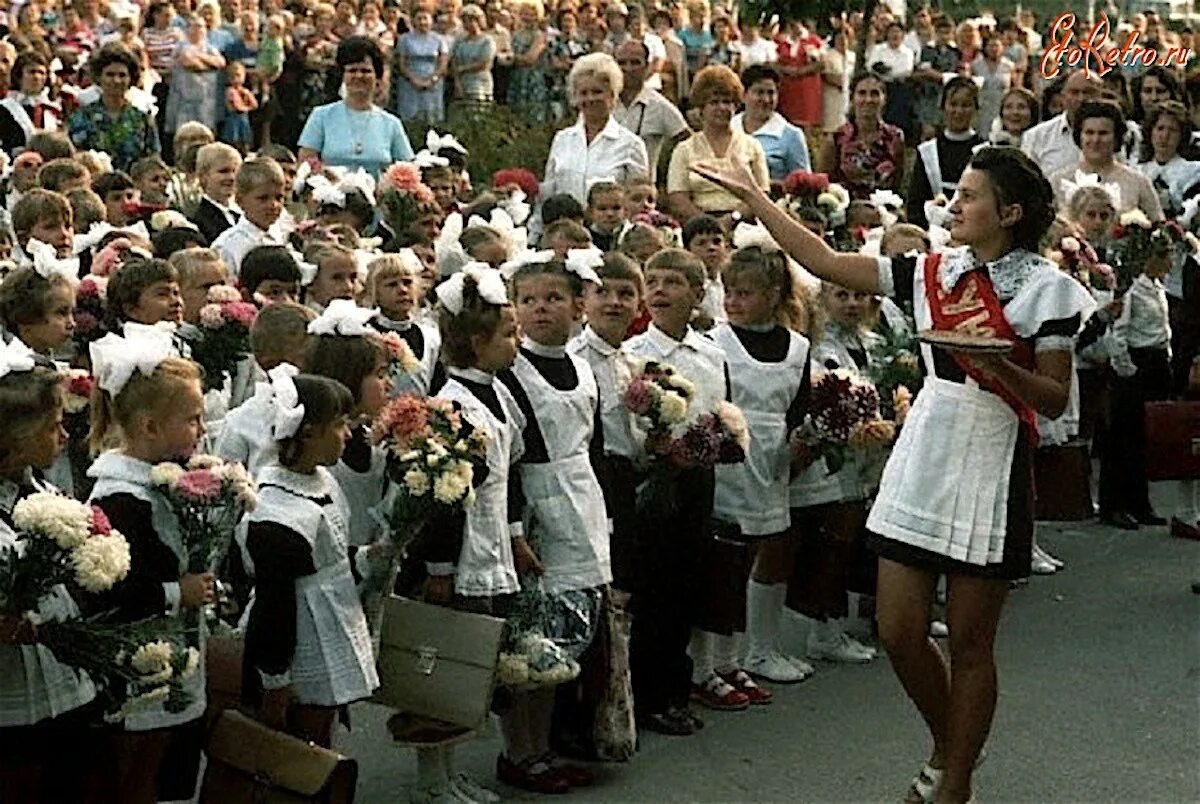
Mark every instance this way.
x=933 y=165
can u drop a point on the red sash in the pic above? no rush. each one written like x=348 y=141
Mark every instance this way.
x=973 y=307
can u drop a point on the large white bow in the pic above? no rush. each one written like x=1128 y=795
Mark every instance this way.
x=427 y=159
x=1082 y=180
x=47 y=264
x=303 y=171
x=411 y=261
x=16 y=356
x=280 y=390
x=326 y=192
x=887 y=203
x=516 y=238
x=359 y=180
x=583 y=262
x=101 y=229
x=527 y=257
x=342 y=317
x=308 y=271
x=516 y=207
x=488 y=280
x=436 y=142
x=450 y=254
x=116 y=359
x=748 y=235
x=363 y=257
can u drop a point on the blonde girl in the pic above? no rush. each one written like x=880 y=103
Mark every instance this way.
x=395 y=287
x=148 y=404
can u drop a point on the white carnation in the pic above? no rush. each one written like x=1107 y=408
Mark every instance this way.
x=191 y=663
x=673 y=407
x=101 y=561
x=66 y=521
x=1070 y=244
x=211 y=317
x=166 y=474
x=417 y=482
x=464 y=470
x=449 y=488
x=151 y=658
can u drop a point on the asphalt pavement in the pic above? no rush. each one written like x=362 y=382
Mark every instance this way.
x=1099 y=702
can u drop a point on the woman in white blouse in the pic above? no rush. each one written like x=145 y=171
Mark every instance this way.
x=597 y=146
x=1168 y=125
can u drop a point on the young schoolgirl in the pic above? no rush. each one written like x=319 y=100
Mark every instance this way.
x=37 y=303
x=308 y=648
x=345 y=348
x=945 y=508
x=828 y=508
x=336 y=277
x=468 y=559
x=148 y=403
x=485 y=244
x=767 y=360
x=394 y=287
x=668 y=550
x=43 y=726
x=567 y=541
x=45 y=216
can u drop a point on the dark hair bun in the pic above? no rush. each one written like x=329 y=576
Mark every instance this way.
x=1016 y=179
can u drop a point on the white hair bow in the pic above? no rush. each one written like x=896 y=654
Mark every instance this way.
x=359 y=180
x=583 y=262
x=527 y=257
x=887 y=203
x=746 y=235
x=47 y=264
x=102 y=229
x=516 y=207
x=427 y=159
x=436 y=142
x=115 y=359
x=326 y=192
x=363 y=258
x=488 y=280
x=170 y=219
x=285 y=400
x=342 y=317
x=410 y=260
x=308 y=271
x=102 y=160
x=16 y=356
x=516 y=238
x=303 y=171
x=872 y=243
x=1082 y=180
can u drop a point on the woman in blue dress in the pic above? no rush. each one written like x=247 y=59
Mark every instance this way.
x=194 y=94
x=421 y=60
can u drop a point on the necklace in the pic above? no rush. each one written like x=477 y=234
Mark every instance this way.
x=359 y=123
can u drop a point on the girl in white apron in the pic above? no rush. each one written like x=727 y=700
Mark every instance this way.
x=150 y=405
x=829 y=508
x=394 y=286
x=308 y=649
x=956 y=494
x=466 y=559
x=767 y=363
x=941 y=160
x=44 y=733
x=566 y=524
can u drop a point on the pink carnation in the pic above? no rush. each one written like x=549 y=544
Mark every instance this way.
x=199 y=484
x=111 y=256
x=211 y=317
x=100 y=524
x=402 y=420
x=638 y=398
x=403 y=176
x=242 y=312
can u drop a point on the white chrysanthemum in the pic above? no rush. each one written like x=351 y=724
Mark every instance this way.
x=1135 y=217
x=673 y=407
x=205 y=461
x=191 y=663
x=1069 y=244
x=211 y=317
x=449 y=488
x=101 y=561
x=464 y=470
x=166 y=474
x=66 y=521
x=246 y=495
x=417 y=482
x=152 y=658
x=410 y=456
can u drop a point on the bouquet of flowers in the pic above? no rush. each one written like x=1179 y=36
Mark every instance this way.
x=223 y=338
x=1079 y=259
x=720 y=436
x=133 y=665
x=659 y=396
x=59 y=541
x=402 y=196
x=91 y=296
x=805 y=189
x=1136 y=241
x=529 y=659
x=208 y=496
x=843 y=413
x=896 y=373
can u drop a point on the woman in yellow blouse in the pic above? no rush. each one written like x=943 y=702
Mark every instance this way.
x=716 y=92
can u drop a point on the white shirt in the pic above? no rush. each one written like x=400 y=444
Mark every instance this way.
x=696 y=357
x=653 y=118
x=1051 y=144
x=899 y=61
x=613 y=370
x=235 y=242
x=760 y=51
x=615 y=154
x=1143 y=323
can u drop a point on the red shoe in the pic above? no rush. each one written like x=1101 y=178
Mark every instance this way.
x=576 y=775
x=717 y=693
x=740 y=681
x=544 y=780
x=1182 y=530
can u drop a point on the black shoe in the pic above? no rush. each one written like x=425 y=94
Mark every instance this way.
x=666 y=723
x=1119 y=519
x=1149 y=519
x=685 y=713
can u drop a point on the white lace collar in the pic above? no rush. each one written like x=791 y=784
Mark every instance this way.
x=1007 y=273
x=314 y=486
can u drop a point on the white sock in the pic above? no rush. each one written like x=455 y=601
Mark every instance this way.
x=1187 y=501
x=702 y=655
x=725 y=652
x=764 y=609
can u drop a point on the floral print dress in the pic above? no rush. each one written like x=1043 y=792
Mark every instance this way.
x=528 y=88
x=862 y=167
x=126 y=137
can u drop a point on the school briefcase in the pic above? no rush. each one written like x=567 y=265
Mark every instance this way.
x=437 y=662
x=1172 y=440
x=250 y=762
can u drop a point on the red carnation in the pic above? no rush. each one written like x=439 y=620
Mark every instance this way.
x=803 y=182
x=503 y=179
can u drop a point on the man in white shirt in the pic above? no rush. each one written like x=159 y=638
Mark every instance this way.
x=643 y=110
x=1051 y=144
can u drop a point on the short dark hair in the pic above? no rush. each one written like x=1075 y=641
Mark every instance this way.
x=125 y=286
x=107 y=183
x=177 y=238
x=959 y=82
x=1100 y=109
x=357 y=48
x=264 y=263
x=701 y=225
x=29 y=58
x=324 y=400
x=115 y=53
x=51 y=144
x=561 y=206
x=759 y=72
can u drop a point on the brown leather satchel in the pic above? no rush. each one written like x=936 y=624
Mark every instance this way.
x=249 y=762
x=1172 y=440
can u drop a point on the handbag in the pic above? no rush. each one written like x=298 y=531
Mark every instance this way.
x=1172 y=440
x=437 y=662
x=250 y=762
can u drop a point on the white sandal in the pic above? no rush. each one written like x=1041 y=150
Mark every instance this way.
x=926 y=783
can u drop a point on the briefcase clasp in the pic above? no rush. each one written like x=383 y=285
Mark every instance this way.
x=427 y=656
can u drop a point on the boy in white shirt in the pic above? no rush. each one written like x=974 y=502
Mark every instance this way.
x=260 y=194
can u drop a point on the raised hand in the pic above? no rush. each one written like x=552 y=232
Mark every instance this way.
x=737 y=179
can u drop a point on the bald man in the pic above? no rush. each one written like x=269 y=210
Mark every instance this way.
x=1050 y=144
